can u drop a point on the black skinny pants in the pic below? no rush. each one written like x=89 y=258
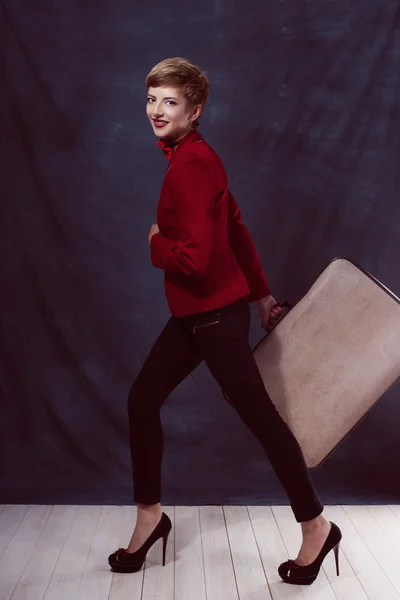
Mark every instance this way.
x=220 y=337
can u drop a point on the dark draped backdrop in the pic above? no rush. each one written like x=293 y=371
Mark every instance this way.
x=304 y=111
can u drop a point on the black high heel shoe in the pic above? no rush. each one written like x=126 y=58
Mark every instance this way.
x=294 y=573
x=122 y=561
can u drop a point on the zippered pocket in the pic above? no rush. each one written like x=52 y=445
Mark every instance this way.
x=205 y=325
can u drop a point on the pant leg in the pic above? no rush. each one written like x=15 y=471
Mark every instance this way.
x=227 y=352
x=172 y=358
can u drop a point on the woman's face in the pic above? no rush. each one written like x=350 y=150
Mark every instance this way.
x=170 y=114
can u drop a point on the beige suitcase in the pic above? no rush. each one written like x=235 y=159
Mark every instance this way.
x=332 y=357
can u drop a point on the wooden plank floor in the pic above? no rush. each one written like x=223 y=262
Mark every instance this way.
x=214 y=553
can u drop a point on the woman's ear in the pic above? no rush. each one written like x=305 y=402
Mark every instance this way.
x=197 y=112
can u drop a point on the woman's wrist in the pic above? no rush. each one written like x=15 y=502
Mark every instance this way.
x=267 y=301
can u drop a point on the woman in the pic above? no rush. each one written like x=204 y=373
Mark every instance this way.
x=212 y=272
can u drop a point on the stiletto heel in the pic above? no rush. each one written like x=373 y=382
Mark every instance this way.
x=336 y=551
x=294 y=573
x=131 y=562
x=165 y=540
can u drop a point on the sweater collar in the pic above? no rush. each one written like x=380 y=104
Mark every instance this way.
x=168 y=148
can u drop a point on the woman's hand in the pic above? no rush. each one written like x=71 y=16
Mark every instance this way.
x=153 y=230
x=268 y=314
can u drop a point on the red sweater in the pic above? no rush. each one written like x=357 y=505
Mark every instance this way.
x=206 y=251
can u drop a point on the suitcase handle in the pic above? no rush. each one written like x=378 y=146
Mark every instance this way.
x=286 y=307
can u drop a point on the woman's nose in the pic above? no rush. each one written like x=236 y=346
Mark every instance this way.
x=158 y=112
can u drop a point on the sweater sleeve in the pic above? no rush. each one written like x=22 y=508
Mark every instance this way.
x=191 y=185
x=246 y=254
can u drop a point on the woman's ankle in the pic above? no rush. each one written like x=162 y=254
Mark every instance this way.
x=313 y=525
x=149 y=512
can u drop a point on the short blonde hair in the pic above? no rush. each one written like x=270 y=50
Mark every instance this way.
x=179 y=72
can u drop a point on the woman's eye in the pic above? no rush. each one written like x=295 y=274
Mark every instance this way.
x=170 y=102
